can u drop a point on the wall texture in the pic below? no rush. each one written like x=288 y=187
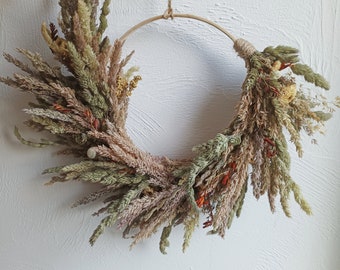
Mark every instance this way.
x=191 y=83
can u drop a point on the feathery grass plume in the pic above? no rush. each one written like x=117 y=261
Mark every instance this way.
x=115 y=209
x=41 y=66
x=310 y=75
x=164 y=241
x=190 y=223
x=236 y=211
x=284 y=54
x=86 y=111
x=103 y=21
x=44 y=143
x=93 y=6
x=24 y=67
x=206 y=154
x=85 y=19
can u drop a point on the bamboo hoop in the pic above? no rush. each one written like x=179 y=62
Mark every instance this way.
x=168 y=15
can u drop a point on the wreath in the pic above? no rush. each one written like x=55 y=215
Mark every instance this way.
x=86 y=110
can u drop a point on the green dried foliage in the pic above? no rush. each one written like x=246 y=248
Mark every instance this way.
x=310 y=75
x=240 y=201
x=86 y=110
x=206 y=154
x=85 y=19
x=103 y=21
x=190 y=223
x=116 y=210
x=42 y=144
x=285 y=54
x=164 y=242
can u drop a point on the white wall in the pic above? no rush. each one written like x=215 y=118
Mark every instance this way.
x=191 y=82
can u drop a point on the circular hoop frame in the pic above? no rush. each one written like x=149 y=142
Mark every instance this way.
x=186 y=16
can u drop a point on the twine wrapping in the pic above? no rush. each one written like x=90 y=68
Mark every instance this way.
x=244 y=48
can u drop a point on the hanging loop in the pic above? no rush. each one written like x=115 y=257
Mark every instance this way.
x=169 y=12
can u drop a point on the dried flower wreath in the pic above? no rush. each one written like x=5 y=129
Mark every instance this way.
x=86 y=110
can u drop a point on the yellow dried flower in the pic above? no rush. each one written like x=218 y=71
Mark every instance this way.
x=122 y=85
x=288 y=93
x=277 y=65
x=134 y=82
x=125 y=86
